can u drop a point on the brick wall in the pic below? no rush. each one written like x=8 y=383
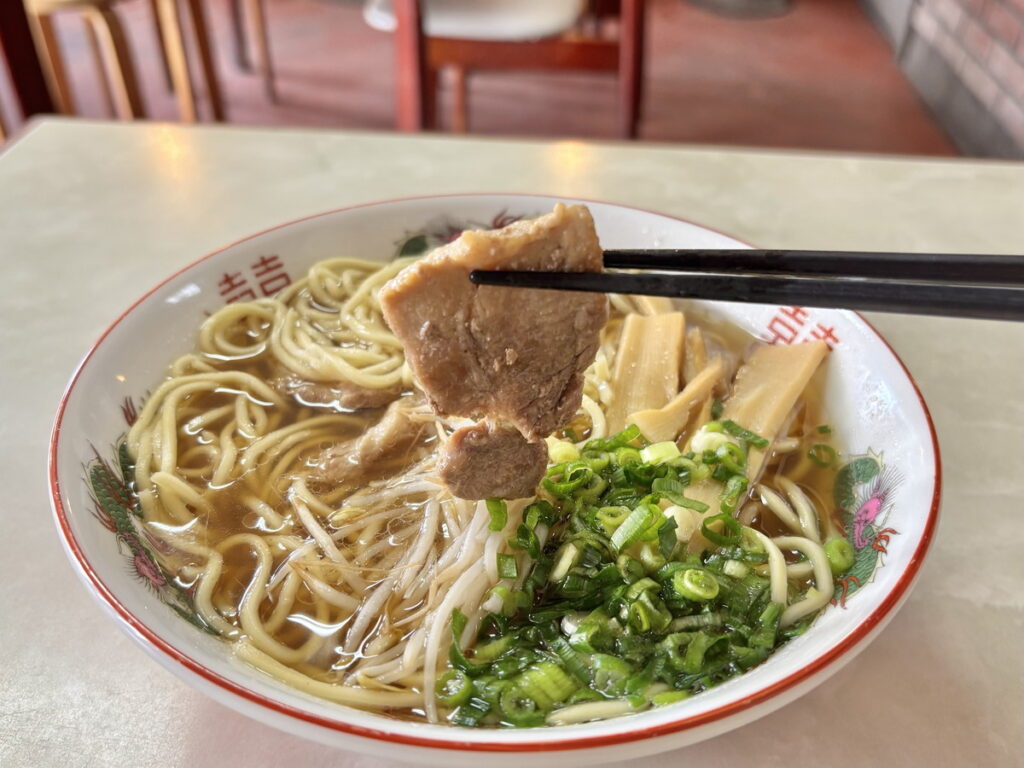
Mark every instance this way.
x=967 y=58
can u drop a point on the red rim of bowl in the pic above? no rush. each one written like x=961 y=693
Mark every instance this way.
x=144 y=633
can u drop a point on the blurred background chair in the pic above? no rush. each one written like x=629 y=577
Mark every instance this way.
x=462 y=36
x=824 y=75
x=249 y=17
x=113 y=56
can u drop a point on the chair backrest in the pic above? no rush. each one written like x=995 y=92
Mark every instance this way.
x=421 y=55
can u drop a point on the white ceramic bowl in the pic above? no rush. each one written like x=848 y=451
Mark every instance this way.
x=870 y=396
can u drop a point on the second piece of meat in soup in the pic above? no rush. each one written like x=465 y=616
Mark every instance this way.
x=488 y=460
x=513 y=356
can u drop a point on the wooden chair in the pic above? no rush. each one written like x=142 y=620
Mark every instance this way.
x=466 y=35
x=255 y=12
x=114 y=59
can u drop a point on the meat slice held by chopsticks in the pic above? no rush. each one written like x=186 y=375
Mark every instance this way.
x=512 y=356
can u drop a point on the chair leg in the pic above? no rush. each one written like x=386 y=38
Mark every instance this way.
x=101 y=68
x=174 y=45
x=431 y=82
x=206 y=62
x=238 y=37
x=118 y=58
x=631 y=66
x=460 y=117
x=413 y=91
x=52 y=61
x=158 y=28
x=258 y=13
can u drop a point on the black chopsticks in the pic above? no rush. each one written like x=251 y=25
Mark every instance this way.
x=954 y=285
x=947 y=267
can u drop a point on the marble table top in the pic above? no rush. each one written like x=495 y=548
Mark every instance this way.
x=92 y=214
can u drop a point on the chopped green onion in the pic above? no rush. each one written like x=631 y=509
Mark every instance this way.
x=696 y=506
x=627 y=436
x=648 y=614
x=698 y=472
x=611 y=518
x=584 y=695
x=611 y=606
x=564 y=560
x=545 y=683
x=575 y=584
x=822 y=455
x=666 y=540
x=561 y=451
x=596 y=460
x=511 y=599
x=526 y=538
x=668 y=488
x=697 y=621
x=574 y=475
x=668 y=697
x=628 y=455
x=731 y=530
x=716 y=408
x=824 y=429
x=750 y=541
x=487 y=652
x=695 y=584
x=746 y=658
x=471 y=713
x=735 y=568
x=732 y=457
x=498 y=511
x=651 y=559
x=633 y=527
x=610 y=673
x=505 y=595
x=693 y=659
x=629 y=568
x=453 y=688
x=767 y=627
x=539 y=512
x=674 y=645
x=658 y=453
x=593 y=489
x=639 y=587
x=573 y=661
x=594 y=633
x=508 y=568
x=490 y=688
x=840 y=554
x=520 y=709
x=456 y=657
x=736 y=430
x=734 y=488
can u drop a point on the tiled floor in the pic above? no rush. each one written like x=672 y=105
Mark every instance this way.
x=819 y=77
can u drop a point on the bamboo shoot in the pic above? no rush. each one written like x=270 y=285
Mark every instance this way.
x=696 y=358
x=647 y=365
x=764 y=391
x=654 y=305
x=667 y=422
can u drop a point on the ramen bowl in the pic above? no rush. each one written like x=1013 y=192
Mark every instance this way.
x=889 y=454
